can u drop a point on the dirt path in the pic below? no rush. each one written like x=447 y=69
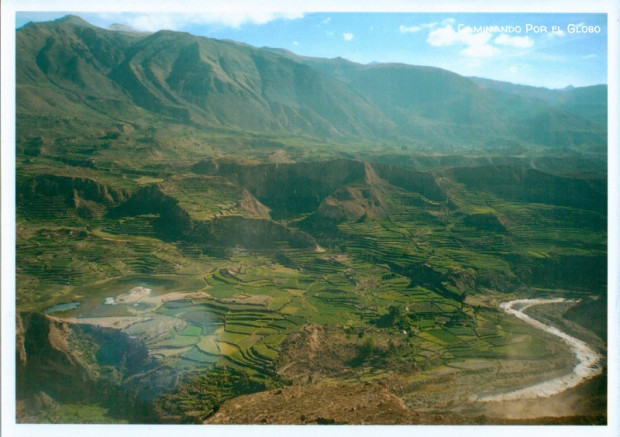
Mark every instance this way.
x=586 y=368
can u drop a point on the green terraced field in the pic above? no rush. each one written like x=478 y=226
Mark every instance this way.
x=409 y=287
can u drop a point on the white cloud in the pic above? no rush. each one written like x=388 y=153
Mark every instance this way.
x=295 y=43
x=513 y=69
x=410 y=29
x=477 y=44
x=329 y=32
x=448 y=21
x=327 y=20
x=590 y=56
x=447 y=36
x=173 y=21
x=444 y=36
x=522 y=42
x=430 y=25
x=348 y=36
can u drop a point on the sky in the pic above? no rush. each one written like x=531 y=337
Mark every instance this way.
x=550 y=50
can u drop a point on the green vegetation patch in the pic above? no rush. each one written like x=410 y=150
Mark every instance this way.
x=532 y=348
x=192 y=331
x=83 y=414
x=178 y=341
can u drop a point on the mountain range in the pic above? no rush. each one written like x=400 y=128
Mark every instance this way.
x=71 y=69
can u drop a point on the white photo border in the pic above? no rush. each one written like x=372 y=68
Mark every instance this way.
x=8 y=239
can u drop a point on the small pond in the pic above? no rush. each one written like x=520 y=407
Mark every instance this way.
x=62 y=307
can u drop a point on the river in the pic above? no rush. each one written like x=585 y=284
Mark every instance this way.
x=588 y=364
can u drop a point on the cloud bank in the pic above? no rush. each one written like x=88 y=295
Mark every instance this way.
x=476 y=44
x=151 y=22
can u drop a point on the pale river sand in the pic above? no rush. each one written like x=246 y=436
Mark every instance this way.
x=586 y=368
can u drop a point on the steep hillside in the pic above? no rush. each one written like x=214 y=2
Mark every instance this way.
x=533 y=186
x=71 y=70
x=439 y=106
x=60 y=364
x=187 y=78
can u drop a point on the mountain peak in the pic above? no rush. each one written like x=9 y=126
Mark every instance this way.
x=73 y=20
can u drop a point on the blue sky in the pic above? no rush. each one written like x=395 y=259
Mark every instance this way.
x=550 y=50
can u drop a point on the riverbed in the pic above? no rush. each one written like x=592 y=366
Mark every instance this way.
x=588 y=365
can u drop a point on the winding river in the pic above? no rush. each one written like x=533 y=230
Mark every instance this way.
x=588 y=360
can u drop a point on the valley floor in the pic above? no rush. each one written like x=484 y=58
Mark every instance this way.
x=440 y=396
x=219 y=284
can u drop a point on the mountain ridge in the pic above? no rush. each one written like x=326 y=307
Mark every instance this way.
x=203 y=81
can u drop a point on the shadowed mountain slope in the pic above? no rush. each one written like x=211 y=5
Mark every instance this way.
x=188 y=78
x=73 y=69
x=533 y=186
